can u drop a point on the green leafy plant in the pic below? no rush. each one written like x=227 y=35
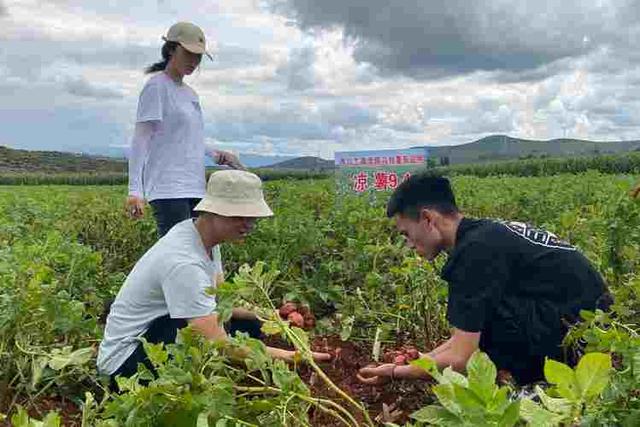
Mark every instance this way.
x=197 y=384
x=253 y=286
x=473 y=400
x=59 y=263
x=603 y=332
x=573 y=391
x=22 y=419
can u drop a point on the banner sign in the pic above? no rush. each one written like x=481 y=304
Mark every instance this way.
x=358 y=172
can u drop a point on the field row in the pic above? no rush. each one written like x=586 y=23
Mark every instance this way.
x=64 y=250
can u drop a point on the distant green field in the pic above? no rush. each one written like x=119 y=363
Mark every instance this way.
x=628 y=163
x=114 y=178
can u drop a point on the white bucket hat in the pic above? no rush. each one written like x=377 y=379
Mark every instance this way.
x=234 y=193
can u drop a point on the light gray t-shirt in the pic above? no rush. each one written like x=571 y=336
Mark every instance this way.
x=171 y=278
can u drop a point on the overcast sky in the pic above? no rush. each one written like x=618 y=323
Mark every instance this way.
x=310 y=77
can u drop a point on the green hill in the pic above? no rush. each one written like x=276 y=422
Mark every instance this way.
x=24 y=161
x=308 y=163
x=489 y=149
x=502 y=147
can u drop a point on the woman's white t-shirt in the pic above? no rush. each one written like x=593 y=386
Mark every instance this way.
x=167 y=153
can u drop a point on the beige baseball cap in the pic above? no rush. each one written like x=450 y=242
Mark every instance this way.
x=190 y=37
x=234 y=193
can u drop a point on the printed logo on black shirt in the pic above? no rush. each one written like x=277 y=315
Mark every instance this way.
x=536 y=235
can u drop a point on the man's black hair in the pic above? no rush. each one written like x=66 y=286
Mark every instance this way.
x=422 y=191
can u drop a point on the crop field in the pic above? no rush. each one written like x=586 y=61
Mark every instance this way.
x=65 y=251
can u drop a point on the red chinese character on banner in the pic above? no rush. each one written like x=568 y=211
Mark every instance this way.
x=381 y=181
x=420 y=159
x=392 y=180
x=392 y=160
x=384 y=160
x=361 y=182
x=406 y=176
x=376 y=161
x=405 y=159
x=398 y=160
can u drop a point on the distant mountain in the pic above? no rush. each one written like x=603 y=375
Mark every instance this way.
x=12 y=160
x=305 y=163
x=16 y=160
x=491 y=148
x=259 y=161
x=502 y=147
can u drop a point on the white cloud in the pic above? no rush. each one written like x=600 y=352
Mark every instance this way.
x=315 y=85
x=33 y=19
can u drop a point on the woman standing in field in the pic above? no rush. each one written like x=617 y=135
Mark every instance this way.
x=166 y=164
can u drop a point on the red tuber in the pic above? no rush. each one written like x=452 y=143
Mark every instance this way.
x=287 y=309
x=412 y=354
x=304 y=310
x=296 y=319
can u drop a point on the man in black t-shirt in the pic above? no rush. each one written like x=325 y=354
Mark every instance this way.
x=513 y=288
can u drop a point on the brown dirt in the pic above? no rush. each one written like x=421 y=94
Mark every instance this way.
x=70 y=413
x=392 y=402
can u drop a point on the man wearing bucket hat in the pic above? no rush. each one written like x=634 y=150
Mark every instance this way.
x=167 y=158
x=167 y=288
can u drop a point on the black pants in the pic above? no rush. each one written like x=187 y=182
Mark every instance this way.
x=521 y=341
x=169 y=212
x=165 y=329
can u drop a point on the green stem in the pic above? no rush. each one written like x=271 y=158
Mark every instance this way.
x=313 y=400
x=320 y=404
x=306 y=351
x=49 y=384
x=253 y=390
x=633 y=332
x=240 y=422
x=22 y=349
x=284 y=409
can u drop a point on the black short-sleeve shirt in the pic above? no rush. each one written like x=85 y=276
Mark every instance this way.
x=518 y=286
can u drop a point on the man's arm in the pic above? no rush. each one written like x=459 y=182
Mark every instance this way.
x=243 y=313
x=442 y=347
x=455 y=352
x=461 y=347
x=210 y=328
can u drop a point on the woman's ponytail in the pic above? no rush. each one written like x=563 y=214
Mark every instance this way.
x=167 y=50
